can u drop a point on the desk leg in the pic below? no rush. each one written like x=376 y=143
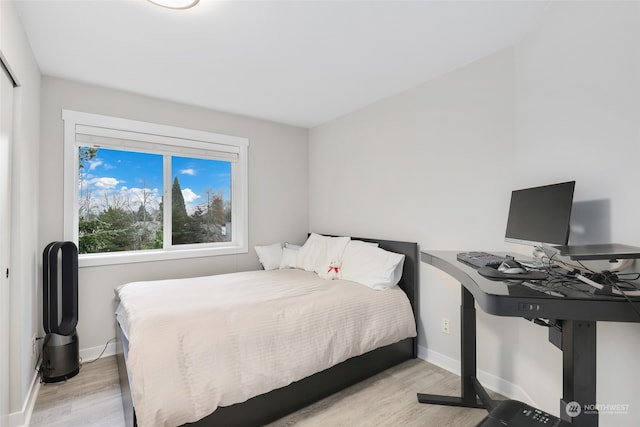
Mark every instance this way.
x=470 y=387
x=579 y=373
x=468 y=351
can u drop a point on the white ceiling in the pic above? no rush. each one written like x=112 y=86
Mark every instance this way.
x=296 y=62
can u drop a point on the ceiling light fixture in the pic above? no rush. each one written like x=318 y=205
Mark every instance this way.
x=175 y=4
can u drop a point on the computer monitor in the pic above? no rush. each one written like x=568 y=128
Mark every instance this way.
x=540 y=215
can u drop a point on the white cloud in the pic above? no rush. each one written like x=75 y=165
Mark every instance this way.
x=94 y=164
x=189 y=196
x=105 y=183
x=191 y=172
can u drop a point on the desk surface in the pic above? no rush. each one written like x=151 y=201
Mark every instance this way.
x=517 y=299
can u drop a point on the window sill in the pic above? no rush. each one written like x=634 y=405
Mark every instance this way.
x=115 y=258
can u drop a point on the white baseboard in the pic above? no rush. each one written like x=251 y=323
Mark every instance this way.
x=92 y=353
x=23 y=417
x=488 y=380
x=445 y=362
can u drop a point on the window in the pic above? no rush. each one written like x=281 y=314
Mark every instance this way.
x=137 y=191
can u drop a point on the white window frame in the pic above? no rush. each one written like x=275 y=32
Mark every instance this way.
x=169 y=140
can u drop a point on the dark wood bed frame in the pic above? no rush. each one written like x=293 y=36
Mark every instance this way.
x=275 y=404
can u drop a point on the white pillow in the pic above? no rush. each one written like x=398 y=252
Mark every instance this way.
x=319 y=252
x=371 y=266
x=289 y=257
x=270 y=256
x=308 y=252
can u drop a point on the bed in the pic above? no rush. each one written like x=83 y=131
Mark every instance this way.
x=343 y=367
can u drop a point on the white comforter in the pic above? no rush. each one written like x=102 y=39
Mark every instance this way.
x=196 y=344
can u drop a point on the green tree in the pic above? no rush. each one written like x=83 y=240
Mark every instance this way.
x=196 y=228
x=180 y=221
x=142 y=214
x=93 y=235
x=177 y=199
x=121 y=236
x=86 y=154
x=111 y=231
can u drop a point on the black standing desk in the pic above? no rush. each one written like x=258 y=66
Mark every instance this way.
x=572 y=329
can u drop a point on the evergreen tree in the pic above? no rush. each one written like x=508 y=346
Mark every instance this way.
x=93 y=236
x=177 y=199
x=86 y=154
x=179 y=218
x=121 y=232
x=142 y=214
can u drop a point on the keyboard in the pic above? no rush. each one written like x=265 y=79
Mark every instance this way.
x=480 y=259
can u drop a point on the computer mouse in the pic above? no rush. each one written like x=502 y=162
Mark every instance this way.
x=511 y=266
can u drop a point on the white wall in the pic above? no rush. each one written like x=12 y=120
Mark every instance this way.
x=578 y=116
x=16 y=50
x=277 y=190
x=437 y=163
x=415 y=167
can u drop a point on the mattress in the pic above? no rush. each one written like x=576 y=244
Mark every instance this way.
x=200 y=343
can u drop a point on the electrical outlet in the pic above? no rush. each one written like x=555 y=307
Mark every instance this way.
x=446 y=326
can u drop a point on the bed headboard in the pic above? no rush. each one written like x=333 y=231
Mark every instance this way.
x=410 y=272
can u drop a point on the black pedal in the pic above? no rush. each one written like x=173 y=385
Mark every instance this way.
x=518 y=414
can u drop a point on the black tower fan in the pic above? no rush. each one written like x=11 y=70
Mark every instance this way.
x=60 y=351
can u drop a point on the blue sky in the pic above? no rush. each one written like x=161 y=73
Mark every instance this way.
x=123 y=176
x=196 y=176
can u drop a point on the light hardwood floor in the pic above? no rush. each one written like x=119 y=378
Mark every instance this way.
x=92 y=398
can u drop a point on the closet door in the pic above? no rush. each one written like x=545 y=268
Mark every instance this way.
x=6 y=120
